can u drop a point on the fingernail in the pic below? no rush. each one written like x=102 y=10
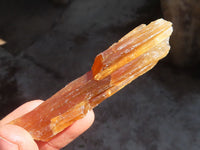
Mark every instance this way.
x=6 y=145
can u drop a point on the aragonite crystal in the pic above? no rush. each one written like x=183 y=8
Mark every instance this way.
x=133 y=55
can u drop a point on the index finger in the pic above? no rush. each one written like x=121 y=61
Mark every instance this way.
x=20 y=111
x=69 y=134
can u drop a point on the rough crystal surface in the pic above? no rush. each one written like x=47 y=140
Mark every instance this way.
x=133 y=55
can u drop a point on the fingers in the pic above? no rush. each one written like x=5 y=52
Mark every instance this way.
x=16 y=138
x=69 y=134
x=23 y=109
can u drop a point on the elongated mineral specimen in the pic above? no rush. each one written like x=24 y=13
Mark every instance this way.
x=133 y=55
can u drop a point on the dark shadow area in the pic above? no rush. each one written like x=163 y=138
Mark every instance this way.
x=23 y=22
x=49 y=45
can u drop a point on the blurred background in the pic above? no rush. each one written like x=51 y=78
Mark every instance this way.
x=46 y=44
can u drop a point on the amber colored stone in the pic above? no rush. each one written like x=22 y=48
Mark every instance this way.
x=133 y=55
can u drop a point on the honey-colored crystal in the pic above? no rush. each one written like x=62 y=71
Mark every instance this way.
x=133 y=55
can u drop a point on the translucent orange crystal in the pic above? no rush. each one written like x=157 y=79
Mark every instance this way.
x=133 y=55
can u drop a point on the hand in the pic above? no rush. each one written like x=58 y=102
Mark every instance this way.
x=13 y=137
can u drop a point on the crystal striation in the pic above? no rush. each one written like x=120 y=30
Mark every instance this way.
x=133 y=55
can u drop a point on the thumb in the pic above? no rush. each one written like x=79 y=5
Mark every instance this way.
x=13 y=137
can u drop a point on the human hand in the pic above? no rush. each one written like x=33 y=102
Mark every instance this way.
x=13 y=137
